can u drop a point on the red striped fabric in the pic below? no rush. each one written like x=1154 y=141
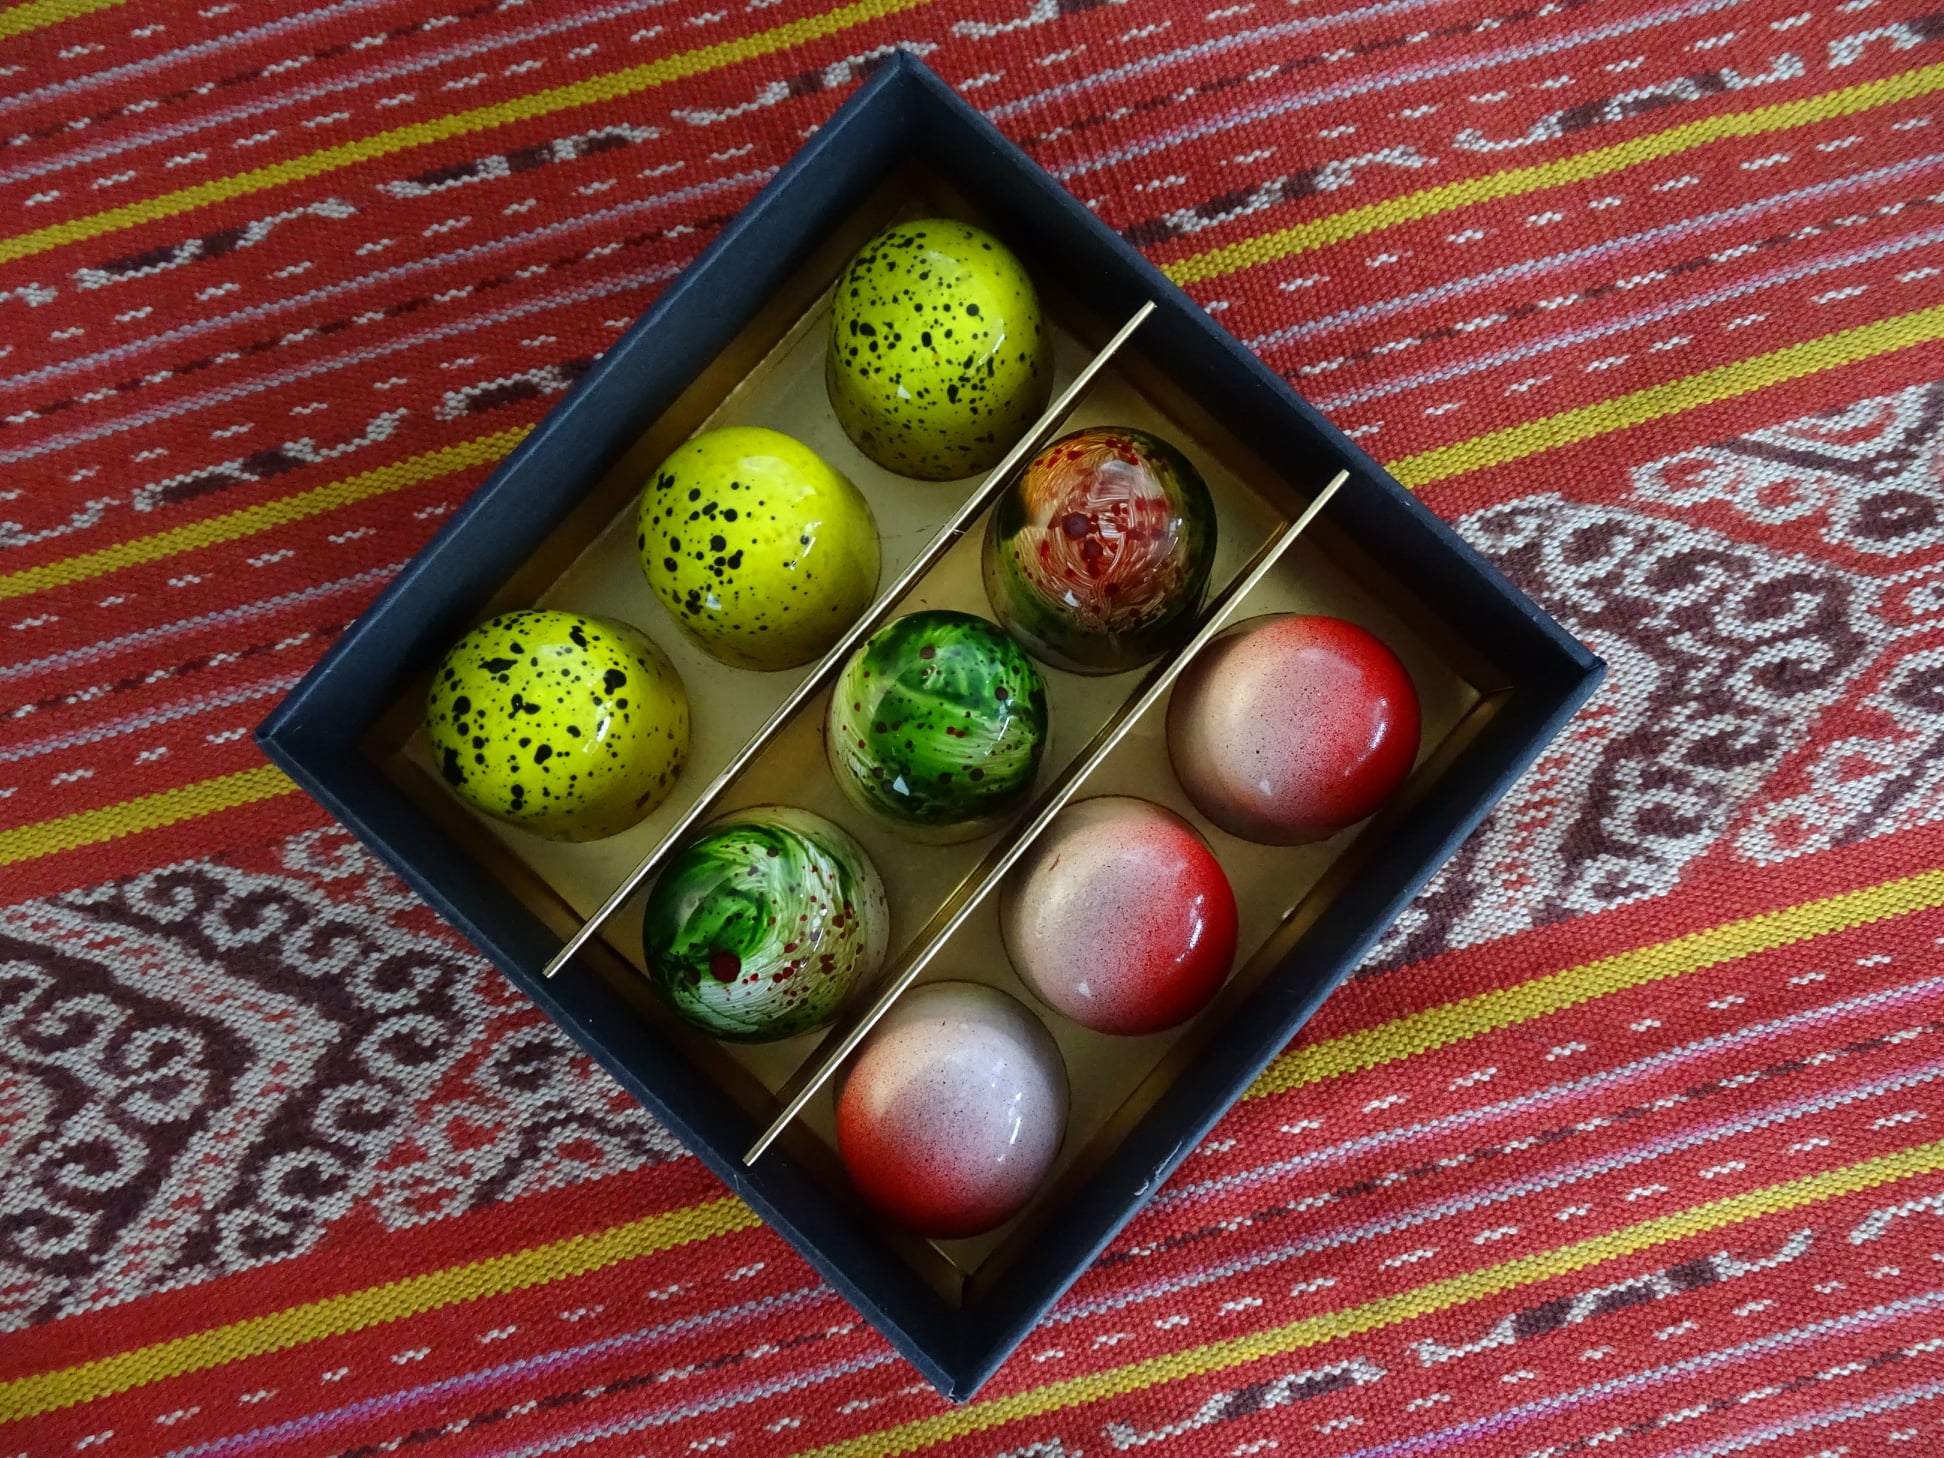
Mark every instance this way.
x=1627 y=1137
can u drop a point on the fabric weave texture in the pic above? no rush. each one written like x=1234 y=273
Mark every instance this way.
x=1628 y=1137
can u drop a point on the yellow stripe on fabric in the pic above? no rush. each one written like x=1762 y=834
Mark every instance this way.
x=1495 y=448
x=19 y=19
x=1386 y=1310
x=26 y=1397
x=150 y=812
x=1542 y=996
x=248 y=520
x=1306 y=237
x=1724 y=382
x=595 y=89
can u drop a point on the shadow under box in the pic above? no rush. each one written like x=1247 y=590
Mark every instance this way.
x=738 y=340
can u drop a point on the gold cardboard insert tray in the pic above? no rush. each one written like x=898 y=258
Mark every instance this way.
x=757 y=739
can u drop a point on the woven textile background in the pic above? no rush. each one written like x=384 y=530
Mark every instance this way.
x=1629 y=1137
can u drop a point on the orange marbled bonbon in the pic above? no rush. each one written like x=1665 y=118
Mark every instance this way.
x=1098 y=556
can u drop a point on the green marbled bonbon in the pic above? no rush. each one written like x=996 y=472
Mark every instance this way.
x=761 y=927
x=938 y=723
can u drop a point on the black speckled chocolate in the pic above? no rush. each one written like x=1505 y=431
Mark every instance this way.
x=570 y=726
x=938 y=360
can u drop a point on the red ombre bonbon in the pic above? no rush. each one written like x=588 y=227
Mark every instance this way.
x=953 y=1109
x=1120 y=917
x=1288 y=728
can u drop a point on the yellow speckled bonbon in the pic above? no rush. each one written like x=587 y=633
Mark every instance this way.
x=570 y=726
x=938 y=360
x=763 y=553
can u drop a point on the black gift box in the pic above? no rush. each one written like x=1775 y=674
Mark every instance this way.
x=337 y=733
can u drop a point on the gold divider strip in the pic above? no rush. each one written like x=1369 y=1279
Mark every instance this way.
x=1055 y=799
x=1029 y=445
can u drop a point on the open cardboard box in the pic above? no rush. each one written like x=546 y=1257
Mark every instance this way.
x=738 y=340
